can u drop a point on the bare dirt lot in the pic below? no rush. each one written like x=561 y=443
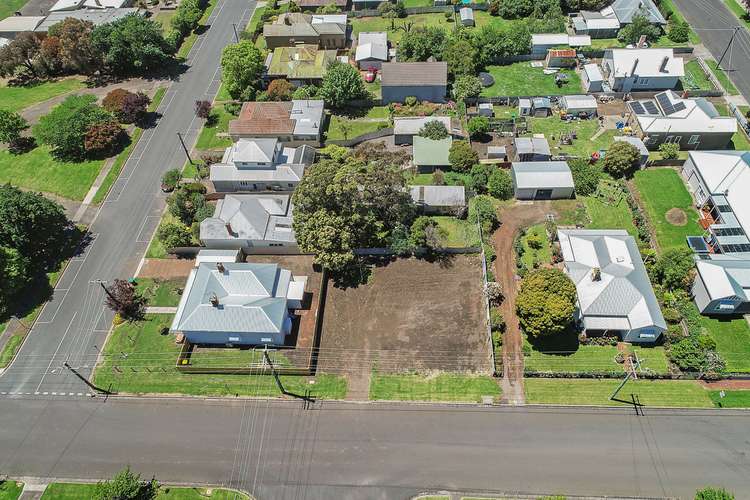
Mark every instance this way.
x=412 y=315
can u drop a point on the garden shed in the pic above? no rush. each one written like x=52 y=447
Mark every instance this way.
x=542 y=180
x=486 y=109
x=467 y=16
x=579 y=105
x=592 y=78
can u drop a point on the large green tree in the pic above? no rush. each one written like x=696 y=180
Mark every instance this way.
x=241 y=68
x=622 y=159
x=462 y=156
x=14 y=275
x=461 y=56
x=75 y=49
x=546 y=302
x=11 y=126
x=586 y=176
x=341 y=85
x=501 y=42
x=500 y=185
x=34 y=226
x=132 y=45
x=64 y=129
x=673 y=268
x=348 y=204
x=419 y=44
x=640 y=26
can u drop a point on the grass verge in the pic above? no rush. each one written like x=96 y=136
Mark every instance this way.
x=722 y=77
x=76 y=491
x=122 y=158
x=443 y=387
x=731 y=399
x=160 y=293
x=150 y=368
x=10 y=490
x=732 y=338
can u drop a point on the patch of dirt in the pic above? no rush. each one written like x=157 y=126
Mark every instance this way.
x=676 y=217
x=729 y=384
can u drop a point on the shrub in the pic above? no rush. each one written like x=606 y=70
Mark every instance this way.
x=123 y=299
x=305 y=92
x=679 y=32
x=482 y=211
x=622 y=159
x=494 y=8
x=280 y=90
x=669 y=150
x=586 y=176
x=497 y=324
x=462 y=157
x=170 y=179
x=500 y=185
x=425 y=232
x=711 y=493
x=11 y=126
x=434 y=130
x=410 y=100
x=103 y=138
x=534 y=241
x=233 y=108
x=127 y=106
x=466 y=86
x=174 y=234
x=203 y=109
x=494 y=292
x=546 y=302
x=478 y=126
x=438 y=178
x=673 y=268
x=639 y=26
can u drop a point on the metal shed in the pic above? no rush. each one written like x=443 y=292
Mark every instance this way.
x=542 y=180
x=592 y=78
x=467 y=16
x=486 y=109
x=579 y=105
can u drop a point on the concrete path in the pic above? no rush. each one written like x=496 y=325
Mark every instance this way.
x=160 y=310
x=33 y=489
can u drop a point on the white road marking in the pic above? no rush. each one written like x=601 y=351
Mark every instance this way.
x=52 y=360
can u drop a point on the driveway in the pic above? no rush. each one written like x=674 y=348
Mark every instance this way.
x=37 y=7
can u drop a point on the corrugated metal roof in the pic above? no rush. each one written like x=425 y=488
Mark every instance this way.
x=542 y=174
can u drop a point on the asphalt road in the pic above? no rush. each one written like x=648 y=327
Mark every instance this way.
x=714 y=24
x=279 y=450
x=74 y=323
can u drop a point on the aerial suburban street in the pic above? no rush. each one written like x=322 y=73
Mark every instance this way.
x=338 y=450
x=714 y=23
x=74 y=321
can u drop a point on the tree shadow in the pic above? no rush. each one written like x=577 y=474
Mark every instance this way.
x=148 y=120
x=563 y=344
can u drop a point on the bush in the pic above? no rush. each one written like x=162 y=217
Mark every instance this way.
x=466 y=86
x=174 y=234
x=233 y=108
x=127 y=106
x=679 y=32
x=478 y=126
x=711 y=493
x=203 y=109
x=410 y=100
x=534 y=241
x=546 y=302
x=462 y=157
x=669 y=150
x=426 y=233
x=434 y=130
x=638 y=27
x=11 y=126
x=500 y=185
x=280 y=90
x=341 y=85
x=622 y=159
x=103 y=138
x=170 y=179
x=494 y=292
x=482 y=211
x=305 y=92
x=497 y=324
x=586 y=176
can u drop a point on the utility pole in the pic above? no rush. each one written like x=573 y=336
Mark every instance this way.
x=236 y=36
x=187 y=153
x=729 y=45
x=273 y=371
x=83 y=379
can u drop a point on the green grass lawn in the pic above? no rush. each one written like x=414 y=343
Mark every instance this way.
x=208 y=139
x=738 y=11
x=732 y=341
x=122 y=158
x=10 y=490
x=77 y=491
x=662 y=189
x=39 y=171
x=360 y=24
x=160 y=293
x=695 y=78
x=460 y=232
x=552 y=127
x=604 y=216
x=740 y=141
x=520 y=79
x=255 y=20
x=18 y=98
x=222 y=94
x=357 y=127
x=165 y=18
x=731 y=399
x=443 y=387
x=10 y=349
x=685 y=393
x=155 y=356
x=564 y=354
x=722 y=77
x=532 y=256
x=9 y=7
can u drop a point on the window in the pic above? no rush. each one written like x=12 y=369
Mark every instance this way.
x=290 y=185
x=643 y=81
x=694 y=139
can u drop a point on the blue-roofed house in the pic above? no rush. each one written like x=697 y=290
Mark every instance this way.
x=238 y=303
x=614 y=292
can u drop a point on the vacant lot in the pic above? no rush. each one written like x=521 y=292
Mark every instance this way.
x=661 y=190
x=442 y=387
x=521 y=79
x=412 y=315
x=684 y=393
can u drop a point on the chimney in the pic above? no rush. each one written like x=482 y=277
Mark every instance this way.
x=220 y=267
x=664 y=63
x=214 y=300
x=596 y=274
x=635 y=65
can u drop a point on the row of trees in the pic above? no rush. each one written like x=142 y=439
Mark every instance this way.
x=131 y=45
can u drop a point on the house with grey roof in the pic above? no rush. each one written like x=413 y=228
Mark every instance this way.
x=606 y=22
x=260 y=164
x=532 y=149
x=327 y=31
x=238 y=304
x=429 y=155
x=722 y=286
x=372 y=50
x=11 y=26
x=427 y=81
x=254 y=223
x=95 y=16
x=439 y=199
x=614 y=291
x=542 y=180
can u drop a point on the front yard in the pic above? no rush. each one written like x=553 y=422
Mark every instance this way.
x=213 y=135
x=732 y=341
x=438 y=387
x=341 y=128
x=695 y=78
x=140 y=358
x=669 y=206
x=160 y=293
x=521 y=79
x=674 y=393
x=18 y=98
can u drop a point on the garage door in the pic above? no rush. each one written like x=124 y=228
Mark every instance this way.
x=543 y=194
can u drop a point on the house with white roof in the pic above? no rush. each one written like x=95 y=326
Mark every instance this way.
x=372 y=50
x=439 y=199
x=405 y=128
x=238 y=304
x=632 y=70
x=542 y=180
x=254 y=223
x=720 y=182
x=691 y=123
x=260 y=164
x=532 y=149
x=606 y=22
x=614 y=291
x=722 y=286
x=11 y=26
x=67 y=5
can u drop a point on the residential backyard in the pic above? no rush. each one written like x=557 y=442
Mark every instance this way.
x=605 y=215
x=670 y=393
x=588 y=140
x=458 y=232
x=669 y=206
x=343 y=128
x=140 y=358
x=360 y=24
x=438 y=387
x=536 y=248
x=521 y=79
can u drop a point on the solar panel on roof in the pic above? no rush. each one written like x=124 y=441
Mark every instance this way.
x=665 y=103
x=698 y=244
x=651 y=108
x=637 y=108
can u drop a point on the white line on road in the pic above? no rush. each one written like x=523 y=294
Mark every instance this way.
x=52 y=360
